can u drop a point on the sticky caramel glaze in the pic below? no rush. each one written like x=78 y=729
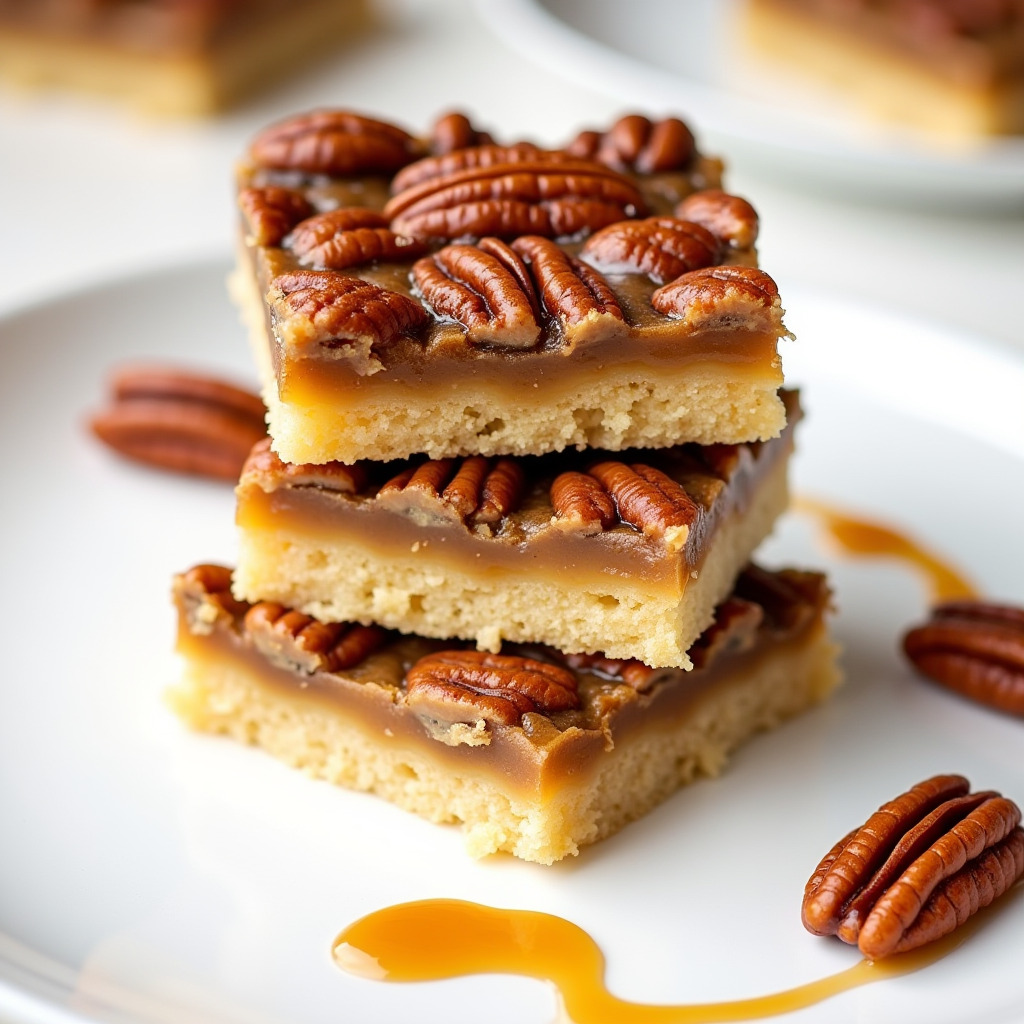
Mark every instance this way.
x=861 y=538
x=431 y=940
x=528 y=542
x=536 y=760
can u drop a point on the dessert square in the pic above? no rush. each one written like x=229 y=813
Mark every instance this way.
x=497 y=300
x=534 y=752
x=626 y=553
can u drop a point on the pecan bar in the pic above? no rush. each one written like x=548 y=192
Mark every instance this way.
x=626 y=553
x=534 y=752
x=501 y=299
x=164 y=56
x=951 y=66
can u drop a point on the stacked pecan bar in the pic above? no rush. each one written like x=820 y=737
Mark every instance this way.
x=526 y=431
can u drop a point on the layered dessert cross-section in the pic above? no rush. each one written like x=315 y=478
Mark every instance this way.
x=535 y=752
x=501 y=299
x=626 y=553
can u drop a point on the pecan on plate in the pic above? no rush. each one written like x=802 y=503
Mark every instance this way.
x=738 y=298
x=545 y=196
x=270 y=213
x=576 y=295
x=455 y=131
x=497 y=688
x=264 y=468
x=177 y=420
x=476 y=490
x=484 y=287
x=205 y=595
x=579 y=500
x=634 y=143
x=300 y=643
x=660 y=247
x=919 y=867
x=340 y=317
x=334 y=142
x=347 y=237
x=974 y=648
x=649 y=500
x=732 y=220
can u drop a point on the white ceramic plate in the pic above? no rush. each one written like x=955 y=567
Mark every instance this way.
x=151 y=875
x=682 y=56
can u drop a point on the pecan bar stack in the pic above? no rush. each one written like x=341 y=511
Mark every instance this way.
x=526 y=431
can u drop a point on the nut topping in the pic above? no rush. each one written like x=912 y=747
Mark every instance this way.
x=482 y=156
x=180 y=421
x=660 y=247
x=205 y=593
x=475 y=490
x=494 y=687
x=455 y=131
x=268 y=472
x=974 y=648
x=649 y=500
x=576 y=295
x=733 y=631
x=347 y=237
x=919 y=867
x=730 y=219
x=633 y=673
x=342 y=316
x=635 y=143
x=485 y=288
x=334 y=142
x=737 y=298
x=271 y=213
x=579 y=499
x=300 y=643
x=538 y=196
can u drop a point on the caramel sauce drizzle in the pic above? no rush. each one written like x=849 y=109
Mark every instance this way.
x=861 y=538
x=431 y=940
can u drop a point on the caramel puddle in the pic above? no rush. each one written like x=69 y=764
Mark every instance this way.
x=865 y=539
x=430 y=940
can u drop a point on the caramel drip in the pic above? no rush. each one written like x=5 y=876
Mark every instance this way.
x=860 y=538
x=431 y=940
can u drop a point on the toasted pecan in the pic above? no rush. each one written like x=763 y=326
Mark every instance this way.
x=634 y=143
x=270 y=213
x=729 y=218
x=741 y=298
x=454 y=131
x=347 y=237
x=660 y=247
x=580 y=499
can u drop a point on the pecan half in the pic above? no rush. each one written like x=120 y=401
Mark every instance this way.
x=579 y=499
x=340 y=316
x=300 y=643
x=205 y=595
x=633 y=673
x=264 y=469
x=495 y=687
x=974 y=648
x=177 y=420
x=334 y=142
x=919 y=867
x=660 y=247
x=738 y=298
x=574 y=294
x=455 y=131
x=649 y=500
x=485 y=288
x=475 y=490
x=270 y=213
x=634 y=143
x=734 y=631
x=347 y=237
x=481 y=156
x=538 y=196
x=730 y=219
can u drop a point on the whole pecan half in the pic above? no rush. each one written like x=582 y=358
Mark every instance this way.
x=347 y=237
x=538 y=197
x=495 y=687
x=177 y=420
x=660 y=247
x=732 y=220
x=475 y=490
x=974 y=648
x=300 y=643
x=334 y=142
x=580 y=500
x=919 y=867
x=205 y=595
x=455 y=131
x=634 y=143
x=579 y=299
x=340 y=316
x=734 y=631
x=484 y=287
x=649 y=500
x=740 y=298
x=483 y=156
x=270 y=213
x=265 y=469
